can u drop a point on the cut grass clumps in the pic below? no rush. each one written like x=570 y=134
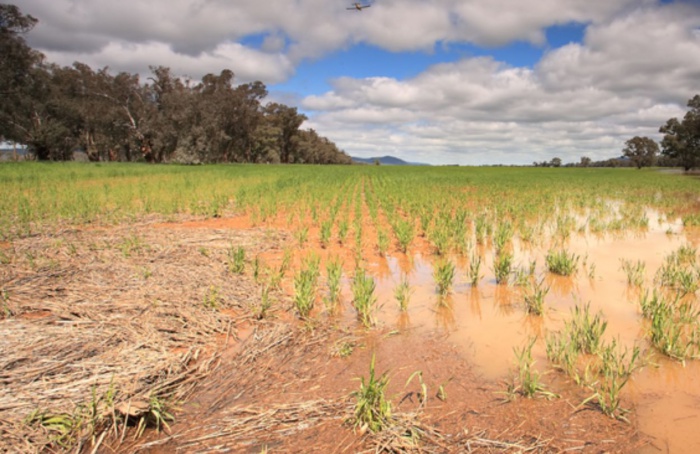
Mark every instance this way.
x=372 y=408
x=561 y=262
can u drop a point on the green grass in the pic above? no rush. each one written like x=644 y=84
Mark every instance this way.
x=47 y=195
x=528 y=382
x=502 y=266
x=634 y=271
x=402 y=293
x=372 y=408
x=534 y=297
x=444 y=274
x=334 y=272
x=474 y=274
x=305 y=286
x=236 y=259
x=364 y=300
x=561 y=262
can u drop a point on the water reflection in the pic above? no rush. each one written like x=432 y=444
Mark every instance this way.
x=486 y=321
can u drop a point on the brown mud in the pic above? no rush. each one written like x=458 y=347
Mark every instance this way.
x=283 y=385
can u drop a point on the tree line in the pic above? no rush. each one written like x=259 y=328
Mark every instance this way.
x=55 y=110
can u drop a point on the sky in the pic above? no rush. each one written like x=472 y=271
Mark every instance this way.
x=467 y=82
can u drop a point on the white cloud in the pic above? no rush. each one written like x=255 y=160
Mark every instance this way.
x=638 y=64
x=249 y=64
x=627 y=78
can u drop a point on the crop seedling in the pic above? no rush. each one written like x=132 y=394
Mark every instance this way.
x=528 y=380
x=343 y=349
x=402 y=293
x=236 y=257
x=586 y=331
x=302 y=235
x=130 y=244
x=563 y=352
x=157 y=416
x=364 y=300
x=614 y=371
x=372 y=408
x=305 y=282
x=634 y=271
x=286 y=261
x=444 y=274
x=670 y=335
x=256 y=269
x=334 y=272
x=423 y=394
x=561 y=262
x=62 y=427
x=382 y=242
x=534 y=297
x=263 y=308
x=502 y=264
x=404 y=234
x=481 y=229
x=502 y=235
x=474 y=267
x=343 y=227
x=211 y=298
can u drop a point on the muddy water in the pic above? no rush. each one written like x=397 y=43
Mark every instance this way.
x=488 y=321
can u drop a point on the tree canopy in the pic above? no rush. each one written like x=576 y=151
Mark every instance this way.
x=682 y=138
x=642 y=151
x=56 y=110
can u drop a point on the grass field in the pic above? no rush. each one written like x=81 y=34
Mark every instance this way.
x=39 y=195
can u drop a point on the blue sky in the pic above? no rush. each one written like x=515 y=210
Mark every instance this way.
x=312 y=76
x=439 y=81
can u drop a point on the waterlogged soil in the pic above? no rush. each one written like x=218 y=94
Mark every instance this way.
x=463 y=343
x=280 y=384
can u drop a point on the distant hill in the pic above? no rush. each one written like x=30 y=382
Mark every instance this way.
x=387 y=161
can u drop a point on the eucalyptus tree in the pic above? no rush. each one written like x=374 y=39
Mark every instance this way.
x=642 y=151
x=682 y=138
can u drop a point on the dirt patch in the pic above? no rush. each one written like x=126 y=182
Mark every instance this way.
x=287 y=390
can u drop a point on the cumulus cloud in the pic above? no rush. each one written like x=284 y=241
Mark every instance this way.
x=312 y=27
x=638 y=63
x=629 y=75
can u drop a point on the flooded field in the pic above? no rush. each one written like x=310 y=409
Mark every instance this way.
x=511 y=310
x=488 y=321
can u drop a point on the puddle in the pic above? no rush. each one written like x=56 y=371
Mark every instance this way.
x=486 y=322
